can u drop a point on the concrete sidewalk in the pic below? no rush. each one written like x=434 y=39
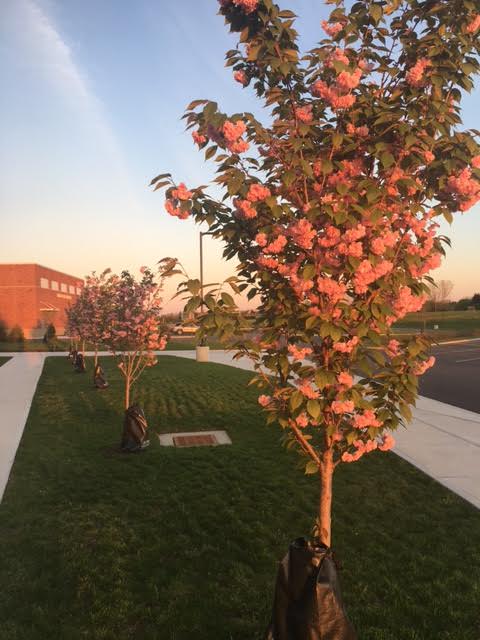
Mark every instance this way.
x=442 y=440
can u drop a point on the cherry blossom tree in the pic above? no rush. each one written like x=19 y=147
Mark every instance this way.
x=134 y=319
x=331 y=208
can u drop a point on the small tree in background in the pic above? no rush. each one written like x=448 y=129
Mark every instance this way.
x=330 y=207
x=134 y=319
x=3 y=331
x=50 y=333
x=440 y=292
x=16 y=335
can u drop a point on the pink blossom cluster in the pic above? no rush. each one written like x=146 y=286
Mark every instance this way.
x=393 y=348
x=306 y=388
x=248 y=6
x=333 y=96
x=299 y=353
x=474 y=25
x=338 y=55
x=342 y=406
x=420 y=367
x=406 y=302
x=304 y=114
x=241 y=77
x=245 y=209
x=345 y=380
x=277 y=245
x=361 y=449
x=233 y=132
x=257 y=193
x=177 y=196
x=332 y=29
x=366 y=273
x=414 y=75
x=334 y=290
x=264 y=400
x=366 y=419
x=361 y=132
x=346 y=347
x=198 y=138
x=302 y=233
x=466 y=188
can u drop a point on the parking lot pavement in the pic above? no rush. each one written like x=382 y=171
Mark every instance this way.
x=455 y=378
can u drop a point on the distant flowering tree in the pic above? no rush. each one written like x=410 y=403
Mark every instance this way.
x=133 y=331
x=88 y=317
x=330 y=207
x=78 y=320
x=99 y=297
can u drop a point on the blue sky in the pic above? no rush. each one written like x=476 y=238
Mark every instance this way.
x=92 y=95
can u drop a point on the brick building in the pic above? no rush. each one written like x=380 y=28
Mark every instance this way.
x=33 y=296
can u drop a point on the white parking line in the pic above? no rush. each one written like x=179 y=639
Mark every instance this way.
x=467 y=360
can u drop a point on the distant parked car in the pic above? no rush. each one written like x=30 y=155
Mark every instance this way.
x=179 y=329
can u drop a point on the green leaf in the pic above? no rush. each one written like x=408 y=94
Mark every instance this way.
x=296 y=400
x=387 y=159
x=313 y=408
x=376 y=12
x=311 y=468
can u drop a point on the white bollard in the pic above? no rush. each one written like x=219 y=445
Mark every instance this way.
x=202 y=354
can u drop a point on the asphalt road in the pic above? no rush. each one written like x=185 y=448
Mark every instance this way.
x=455 y=378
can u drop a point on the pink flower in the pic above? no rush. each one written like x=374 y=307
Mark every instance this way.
x=420 y=367
x=277 y=245
x=415 y=74
x=476 y=162
x=429 y=156
x=342 y=406
x=331 y=29
x=304 y=114
x=331 y=288
x=257 y=193
x=241 y=77
x=346 y=347
x=174 y=211
x=393 y=348
x=302 y=420
x=245 y=209
x=264 y=400
x=474 y=25
x=261 y=239
x=347 y=81
x=182 y=193
x=198 y=138
x=345 y=379
x=302 y=233
x=305 y=387
x=233 y=130
x=366 y=419
x=388 y=442
x=299 y=354
x=377 y=246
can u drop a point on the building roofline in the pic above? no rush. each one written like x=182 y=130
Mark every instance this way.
x=36 y=264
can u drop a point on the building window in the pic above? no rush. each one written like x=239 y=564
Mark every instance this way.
x=64 y=287
x=54 y=285
x=71 y=289
x=79 y=291
x=44 y=283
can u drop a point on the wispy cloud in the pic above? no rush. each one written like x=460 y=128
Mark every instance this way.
x=45 y=48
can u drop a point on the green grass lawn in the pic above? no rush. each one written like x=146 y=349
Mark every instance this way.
x=3 y=360
x=182 y=544
x=35 y=345
x=450 y=323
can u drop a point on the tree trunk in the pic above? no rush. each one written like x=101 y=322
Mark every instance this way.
x=83 y=348
x=127 y=392
x=325 y=504
x=95 y=360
